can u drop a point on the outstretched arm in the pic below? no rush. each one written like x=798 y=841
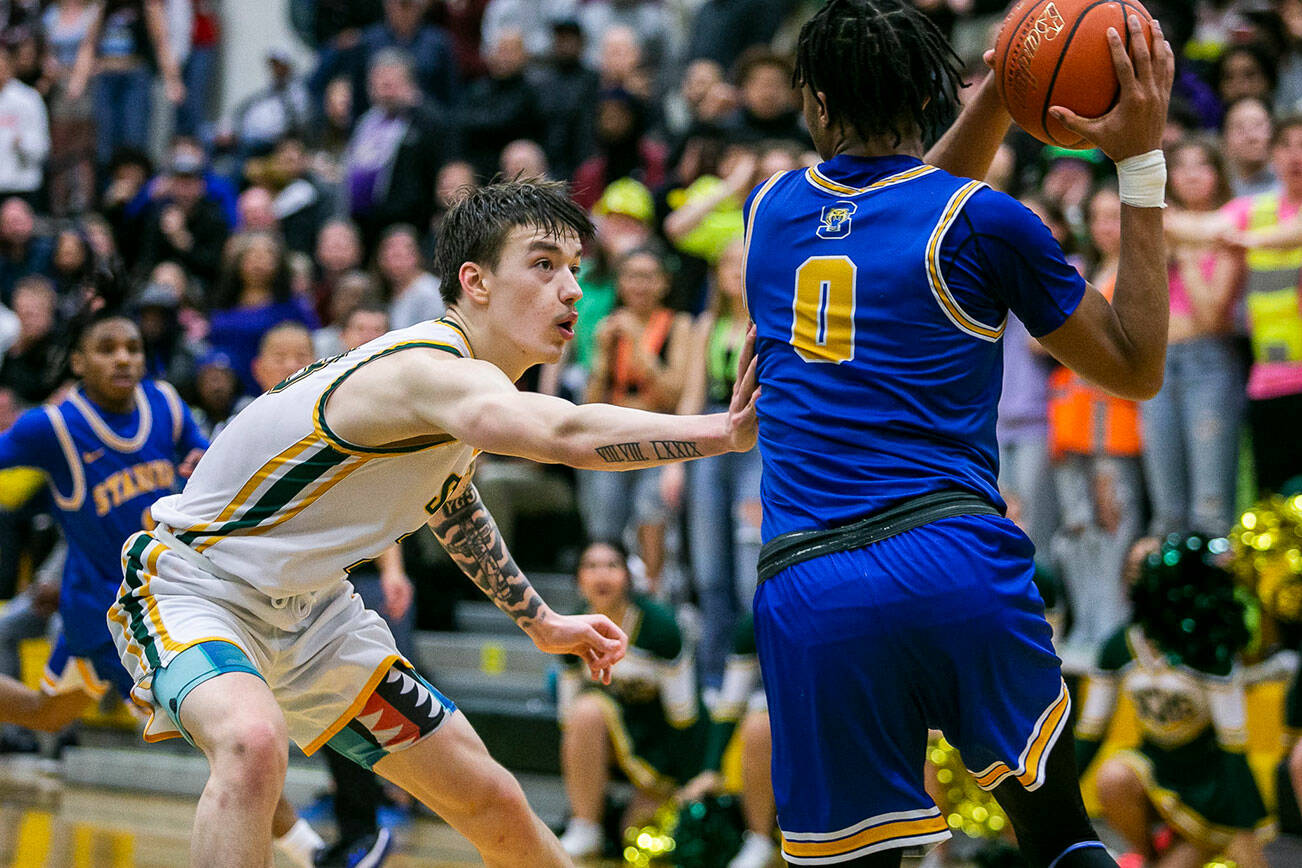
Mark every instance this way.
x=466 y=529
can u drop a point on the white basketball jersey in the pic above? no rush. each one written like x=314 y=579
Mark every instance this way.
x=284 y=503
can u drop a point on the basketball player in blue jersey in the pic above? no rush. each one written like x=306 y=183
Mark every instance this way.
x=115 y=445
x=894 y=594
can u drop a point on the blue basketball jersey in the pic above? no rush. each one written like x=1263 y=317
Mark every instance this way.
x=104 y=471
x=879 y=288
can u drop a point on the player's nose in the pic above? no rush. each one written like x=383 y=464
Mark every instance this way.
x=571 y=292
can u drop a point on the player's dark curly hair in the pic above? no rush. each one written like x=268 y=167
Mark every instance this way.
x=476 y=228
x=884 y=68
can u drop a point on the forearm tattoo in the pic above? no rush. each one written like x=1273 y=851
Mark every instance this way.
x=466 y=529
x=624 y=453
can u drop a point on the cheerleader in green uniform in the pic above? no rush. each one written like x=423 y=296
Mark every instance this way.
x=1178 y=662
x=649 y=721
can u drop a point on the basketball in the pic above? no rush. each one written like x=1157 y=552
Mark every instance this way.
x=1055 y=53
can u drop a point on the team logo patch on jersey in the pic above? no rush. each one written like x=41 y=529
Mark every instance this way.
x=834 y=221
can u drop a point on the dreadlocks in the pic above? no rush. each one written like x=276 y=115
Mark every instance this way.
x=883 y=67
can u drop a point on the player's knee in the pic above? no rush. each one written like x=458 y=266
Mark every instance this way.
x=1116 y=783
x=498 y=794
x=257 y=749
x=586 y=714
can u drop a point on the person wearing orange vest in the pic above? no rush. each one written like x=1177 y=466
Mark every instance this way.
x=1095 y=445
x=641 y=361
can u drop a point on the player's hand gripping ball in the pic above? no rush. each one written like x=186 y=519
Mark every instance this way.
x=1055 y=53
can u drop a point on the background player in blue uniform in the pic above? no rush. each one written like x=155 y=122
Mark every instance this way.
x=895 y=596
x=115 y=445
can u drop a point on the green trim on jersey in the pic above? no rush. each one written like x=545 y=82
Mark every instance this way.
x=135 y=611
x=318 y=415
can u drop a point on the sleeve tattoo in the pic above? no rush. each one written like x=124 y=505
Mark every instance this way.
x=466 y=529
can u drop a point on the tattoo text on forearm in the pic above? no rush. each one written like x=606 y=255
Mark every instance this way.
x=624 y=453
x=471 y=537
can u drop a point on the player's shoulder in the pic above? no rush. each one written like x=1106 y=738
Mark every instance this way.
x=35 y=421
x=658 y=631
x=991 y=210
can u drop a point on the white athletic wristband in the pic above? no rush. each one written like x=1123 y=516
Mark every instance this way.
x=1141 y=180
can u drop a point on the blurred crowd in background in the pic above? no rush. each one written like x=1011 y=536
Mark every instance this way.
x=317 y=200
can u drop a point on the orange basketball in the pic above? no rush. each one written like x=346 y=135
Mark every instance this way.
x=1055 y=53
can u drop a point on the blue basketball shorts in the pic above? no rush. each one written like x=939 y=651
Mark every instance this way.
x=864 y=651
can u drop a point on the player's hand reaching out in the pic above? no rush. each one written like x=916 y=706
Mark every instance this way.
x=594 y=638
x=1135 y=124
x=742 y=423
x=191 y=461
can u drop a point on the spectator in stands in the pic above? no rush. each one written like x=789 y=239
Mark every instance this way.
x=1094 y=441
x=623 y=148
x=535 y=19
x=330 y=132
x=253 y=297
x=567 y=89
x=255 y=210
x=199 y=71
x=649 y=24
x=724 y=29
x=395 y=152
x=500 y=108
x=769 y=109
x=72 y=270
x=169 y=355
x=641 y=361
x=186 y=225
x=463 y=21
x=126 y=41
x=72 y=122
x=302 y=200
x=722 y=496
x=123 y=201
x=1191 y=427
x=33 y=364
x=24 y=133
x=216 y=390
x=338 y=251
x=267 y=115
x=22 y=251
x=524 y=158
x=1246 y=145
x=649 y=720
x=683 y=106
x=405 y=29
x=1245 y=71
x=412 y=292
x=353 y=289
x=454 y=180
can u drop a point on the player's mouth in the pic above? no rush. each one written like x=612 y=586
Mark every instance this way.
x=566 y=326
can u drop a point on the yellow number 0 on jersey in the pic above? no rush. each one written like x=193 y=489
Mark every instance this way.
x=822 y=324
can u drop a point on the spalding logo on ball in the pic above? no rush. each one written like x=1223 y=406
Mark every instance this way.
x=1055 y=53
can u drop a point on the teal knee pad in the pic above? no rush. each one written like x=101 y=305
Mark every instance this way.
x=192 y=667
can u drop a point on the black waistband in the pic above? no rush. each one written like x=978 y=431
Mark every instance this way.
x=802 y=545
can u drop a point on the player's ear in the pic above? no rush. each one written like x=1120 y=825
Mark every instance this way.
x=823 y=117
x=475 y=281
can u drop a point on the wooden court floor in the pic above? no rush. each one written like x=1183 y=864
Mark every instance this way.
x=47 y=824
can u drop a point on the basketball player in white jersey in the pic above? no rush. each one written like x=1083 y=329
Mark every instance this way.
x=234 y=616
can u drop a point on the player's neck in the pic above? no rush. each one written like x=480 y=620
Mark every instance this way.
x=486 y=345
x=851 y=144
x=109 y=405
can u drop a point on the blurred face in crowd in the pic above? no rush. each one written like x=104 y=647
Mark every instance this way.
x=1193 y=177
x=256 y=210
x=361 y=326
x=775 y=160
x=70 y=253
x=17 y=222
x=110 y=362
x=338 y=248
x=339 y=101
x=567 y=46
x=508 y=57
x=619 y=233
x=171 y=275
x=291 y=159
x=701 y=75
x=100 y=236
x=1067 y=182
x=391 y=87
x=186 y=190
x=216 y=386
x=1242 y=75
x=404 y=16
x=621 y=54
x=1247 y=132
x=641 y=282
x=1286 y=156
x=34 y=306
x=524 y=159
x=259 y=262
x=603 y=577
x=352 y=289
x=727 y=273
x=614 y=121
x=283 y=351
x=453 y=180
x=399 y=258
x=767 y=91
x=1105 y=222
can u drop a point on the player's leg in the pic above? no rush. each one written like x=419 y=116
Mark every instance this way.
x=234 y=719
x=1125 y=805
x=756 y=774
x=451 y=772
x=585 y=760
x=1245 y=851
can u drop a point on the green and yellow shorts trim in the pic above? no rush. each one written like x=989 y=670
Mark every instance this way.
x=332 y=666
x=882 y=832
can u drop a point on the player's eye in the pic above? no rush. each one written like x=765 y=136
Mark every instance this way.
x=544 y=264
x=574 y=269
